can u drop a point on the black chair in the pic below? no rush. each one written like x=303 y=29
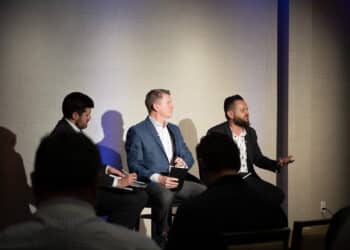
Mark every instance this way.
x=309 y=234
x=264 y=239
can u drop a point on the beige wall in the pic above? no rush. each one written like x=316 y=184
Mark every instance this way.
x=319 y=109
x=203 y=51
x=116 y=51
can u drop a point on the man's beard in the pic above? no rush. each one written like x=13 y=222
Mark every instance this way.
x=81 y=125
x=241 y=123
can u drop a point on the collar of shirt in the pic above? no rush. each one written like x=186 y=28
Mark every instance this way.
x=242 y=134
x=76 y=129
x=157 y=124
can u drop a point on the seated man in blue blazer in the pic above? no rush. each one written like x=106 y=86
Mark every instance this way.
x=152 y=147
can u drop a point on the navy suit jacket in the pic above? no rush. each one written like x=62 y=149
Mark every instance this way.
x=145 y=152
x=254 y=155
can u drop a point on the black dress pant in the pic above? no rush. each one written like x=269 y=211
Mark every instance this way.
x=120 y=206
x=265 y=189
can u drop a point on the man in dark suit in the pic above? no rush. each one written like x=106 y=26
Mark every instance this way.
x=237 y=127
x=122 y=207
x=228 y=205
x=152 y=147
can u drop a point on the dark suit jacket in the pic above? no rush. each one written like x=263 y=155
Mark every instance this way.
x=254 y=155
x=228 y=205
x=63 y=126
x=145 y=152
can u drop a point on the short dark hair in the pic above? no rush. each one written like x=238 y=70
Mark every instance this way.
x=76 y=102
x=152 y=96
x=64 y=163
x=229 y=103
x=218 y=152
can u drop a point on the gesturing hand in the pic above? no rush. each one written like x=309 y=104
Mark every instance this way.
x=284 y=161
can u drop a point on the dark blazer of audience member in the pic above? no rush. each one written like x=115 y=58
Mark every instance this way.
x=64 y=184
x=237 y=127
x=338 y=234
x=121 y=207
x=228 y=205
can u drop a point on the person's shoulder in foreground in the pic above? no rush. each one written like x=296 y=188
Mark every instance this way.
x=64 y=184
x=67 y=223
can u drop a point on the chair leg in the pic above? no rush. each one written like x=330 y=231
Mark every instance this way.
x=137 y=226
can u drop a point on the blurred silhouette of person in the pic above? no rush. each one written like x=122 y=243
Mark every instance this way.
x=338 y=233
x=228 y=205
x=112 y=145
x=64 y=182
x=237 y=128
x=15 y=194
x=190 y=135
x=121 y=206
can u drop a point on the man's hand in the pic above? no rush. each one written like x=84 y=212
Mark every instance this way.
x=168 y=182
x=179 y=162
x=113 y=171
x=284 y=161
x=127 y=180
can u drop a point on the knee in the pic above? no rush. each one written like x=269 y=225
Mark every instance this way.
x=166 y=199
x=140 y=199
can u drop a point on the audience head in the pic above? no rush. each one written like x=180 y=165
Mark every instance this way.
x=236 y=110
x=66 y=165
x=77 y=107
x=217 y=155
x=337 y=237
x=8 y=139
x=159 y=101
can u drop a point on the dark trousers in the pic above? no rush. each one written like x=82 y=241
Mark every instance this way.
x=265 y=189
x=161 y=200
x=121 y=207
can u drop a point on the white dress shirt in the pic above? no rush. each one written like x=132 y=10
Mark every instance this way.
x=240 y=141
x=165 y=138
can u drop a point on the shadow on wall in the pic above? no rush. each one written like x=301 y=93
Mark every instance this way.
x=111 y=146
x=190 y=135
x=15 y=194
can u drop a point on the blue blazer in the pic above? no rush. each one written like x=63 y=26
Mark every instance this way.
x=145 y=152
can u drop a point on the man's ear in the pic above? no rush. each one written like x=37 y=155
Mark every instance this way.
x=75 y=116
x=155 y=106
x=230 y=114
